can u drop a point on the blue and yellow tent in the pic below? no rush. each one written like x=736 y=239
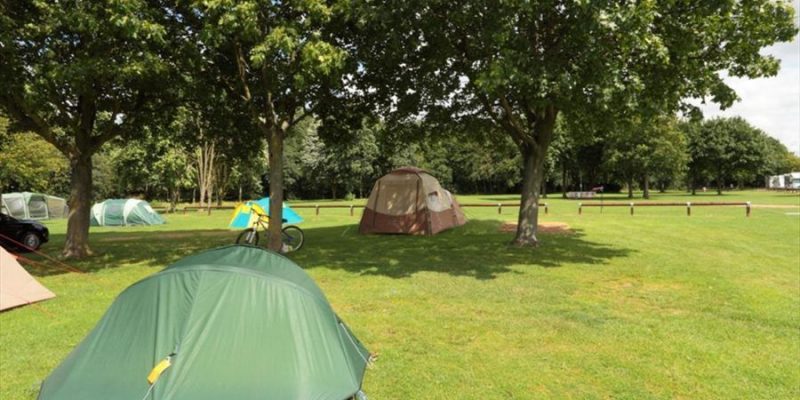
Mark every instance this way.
x=243 y=217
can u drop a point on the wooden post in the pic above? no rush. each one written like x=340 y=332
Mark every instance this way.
x=351 y=210
x=631 y=208
x=499 y=208
x=688 y=208
x=580 y=208
x=747 y=209
x=316 y=206
x=545 y=208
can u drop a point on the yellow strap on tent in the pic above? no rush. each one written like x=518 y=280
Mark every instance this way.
x=159 y=369
x=240 y=208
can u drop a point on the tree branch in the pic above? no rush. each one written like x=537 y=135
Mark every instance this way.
x=269 y=106
x=241 y=68
x=514 y=126
x=28 y=119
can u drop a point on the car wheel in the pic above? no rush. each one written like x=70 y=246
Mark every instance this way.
x=31 y=241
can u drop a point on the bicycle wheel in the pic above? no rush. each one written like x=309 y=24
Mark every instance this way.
x=248 y=236
x=292 y=238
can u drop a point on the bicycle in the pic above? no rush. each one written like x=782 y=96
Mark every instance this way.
x=292 y=237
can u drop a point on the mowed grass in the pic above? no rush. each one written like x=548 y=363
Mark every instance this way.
x=658 y=305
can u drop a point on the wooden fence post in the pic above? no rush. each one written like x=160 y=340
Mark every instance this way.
x=631 y=208
x=316 y=206
x=545 y=208
x=747 y=212
x=499 y=208
x=688 y=208
x=351 y=210
x=580 y=208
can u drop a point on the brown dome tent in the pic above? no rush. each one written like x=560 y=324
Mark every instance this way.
x=410 y=201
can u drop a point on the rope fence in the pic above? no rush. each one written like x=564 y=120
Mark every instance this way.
x=351 y=207
x=632 y=205
x=747 y=205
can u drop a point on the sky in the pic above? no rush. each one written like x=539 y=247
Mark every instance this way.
x=771 y=104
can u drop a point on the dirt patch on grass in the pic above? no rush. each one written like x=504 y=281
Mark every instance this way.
x=544 y=227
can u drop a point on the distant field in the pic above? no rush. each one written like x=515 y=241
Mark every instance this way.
x=657 y=305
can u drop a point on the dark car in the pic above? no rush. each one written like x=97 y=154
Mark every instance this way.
x=14 y=232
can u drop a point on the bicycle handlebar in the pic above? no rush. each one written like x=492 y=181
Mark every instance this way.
x=260 y=215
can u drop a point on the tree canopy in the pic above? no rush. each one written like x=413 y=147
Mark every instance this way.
x=81 y=75
x=727 y=151
x=488 y=85
x=517 y=65
x=282 y=62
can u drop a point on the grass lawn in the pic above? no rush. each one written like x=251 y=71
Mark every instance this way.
x=658 y=305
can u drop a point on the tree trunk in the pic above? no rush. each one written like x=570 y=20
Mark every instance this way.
x=533 y=175
x=564 y=180
x=205 y=157
x=173 y=199
x=222 y=174
x=208 y=203
x=630 y=188
x=77 y=241
x=533 y=158
x=240 y=193
x=720 y=183
x=275 y=143
x=646 y=187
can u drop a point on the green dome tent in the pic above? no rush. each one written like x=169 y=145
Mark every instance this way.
x=237 y=322
x=119 y=212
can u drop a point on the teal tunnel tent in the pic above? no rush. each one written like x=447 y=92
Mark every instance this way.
x=27 y=205
x=123 y=212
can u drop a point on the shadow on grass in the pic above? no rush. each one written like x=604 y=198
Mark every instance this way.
x=477 y=249
x=115 y=249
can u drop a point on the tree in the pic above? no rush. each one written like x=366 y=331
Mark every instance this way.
x=282 y=61
x=81 y=75
x=725 y=149
x=481 y=161
x=792 y=162
x=670 y=157
x=173 y=172
x=29 y=163
x=246 y=176
x=156 y=165
x=519 y=64
x=347 y=163
x=779 y=160
x=645 y=149
x=205 y=158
